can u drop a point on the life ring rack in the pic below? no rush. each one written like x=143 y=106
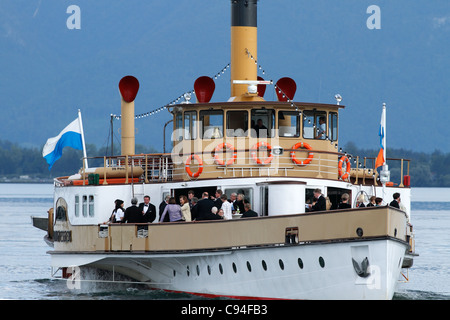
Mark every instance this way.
x=307 y=160
x=188 y=166
x=341 y=173
x=255 y=150
x=227 y=146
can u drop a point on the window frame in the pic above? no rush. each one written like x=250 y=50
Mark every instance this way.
x=178 y=133
x=298 y=128
x=193 y=124
x=234 y=130
x=84 y=206
x=77 y=205
x=270 y=128
x=333 y=126
x=315 y=114
x=202 y=126
x=91 y=205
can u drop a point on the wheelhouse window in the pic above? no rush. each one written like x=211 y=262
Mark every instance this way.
x=178 y=132
x=314 y=125
x=333 y=126
x=288 y=124
x=190 y=125
x=211 y=124
x=263 y=123
x=237 y=124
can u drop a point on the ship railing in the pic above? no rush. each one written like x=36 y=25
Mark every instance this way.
x=156 y=167
x=399 y=171
x=166 y=167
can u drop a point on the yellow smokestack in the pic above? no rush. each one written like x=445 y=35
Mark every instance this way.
x=128 y=87
x=243 y=44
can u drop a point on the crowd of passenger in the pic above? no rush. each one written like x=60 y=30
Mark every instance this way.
x=219 y=206
x=190 y=208
x=322 y=203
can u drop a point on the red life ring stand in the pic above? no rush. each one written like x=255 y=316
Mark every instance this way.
x=188 y=164
x=255 y=150
x=227 y=146
x=343 y=175
x=310 y=154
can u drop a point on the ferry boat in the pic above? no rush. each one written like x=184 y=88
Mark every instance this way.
x=289 y=251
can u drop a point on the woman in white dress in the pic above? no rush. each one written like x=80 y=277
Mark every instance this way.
x=227 y=207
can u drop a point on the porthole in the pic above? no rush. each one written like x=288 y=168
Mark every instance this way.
x=321 y=262
x=264 y=265
x=209 y=270
x=281 y=264
x=359 y=232
x=174 y=273
x=198 y=270
x=220 y=268
x=300 y=263
x=187 y=271
x=234 y=268
x=249 y=267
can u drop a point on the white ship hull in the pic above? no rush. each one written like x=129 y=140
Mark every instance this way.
x=306 y=271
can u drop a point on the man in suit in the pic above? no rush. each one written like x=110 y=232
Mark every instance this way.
x=321 y=203
x=162 y=206
x=194 y=208
x=396 y=202
x=148 y=210
x=204 y=207
x=248 y=212
x=133 y=214
x=217 y=200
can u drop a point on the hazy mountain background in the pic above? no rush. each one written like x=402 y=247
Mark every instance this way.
x=48 y=72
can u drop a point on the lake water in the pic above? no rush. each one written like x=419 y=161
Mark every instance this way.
x=25 y=272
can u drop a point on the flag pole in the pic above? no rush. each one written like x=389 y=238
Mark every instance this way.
x=385 y=175
x=82 y=139
x=384 y=138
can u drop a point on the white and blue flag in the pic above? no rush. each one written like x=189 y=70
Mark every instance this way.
x=71 y=136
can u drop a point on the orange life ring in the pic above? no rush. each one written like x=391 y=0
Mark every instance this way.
x=188 y=163
x=310 y=154
x=220 y=147
x=259 y=145
x=343 y=175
